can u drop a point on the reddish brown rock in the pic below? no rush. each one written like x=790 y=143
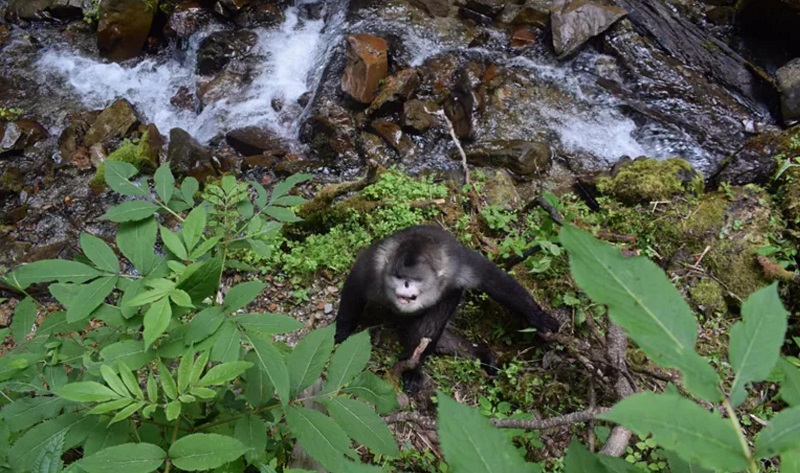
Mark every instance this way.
x=394 y=137
x=367 y=65
x=123 y=27
x=522 y=36
x=396 y=89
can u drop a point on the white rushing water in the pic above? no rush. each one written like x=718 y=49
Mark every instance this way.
x=293 y=57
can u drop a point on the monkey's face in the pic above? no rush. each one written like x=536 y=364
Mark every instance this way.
x=412 y=288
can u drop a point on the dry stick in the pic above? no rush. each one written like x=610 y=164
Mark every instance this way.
x=413 y=361
x=617 y=342
x=423 y=422
x=541 y=424
x=440 y=113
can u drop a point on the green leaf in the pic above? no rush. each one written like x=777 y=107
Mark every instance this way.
x=270 y=360
x=198 y=367
x=679 y=465
x=49 y=458
x=682 y=426
x=152 y=388
x=362 y=424
x=185 y=370
x=242 y=294
x=100 y=439
x=228 y=344
x=205 y=247
x=130 y=211
x=89 y=298
x=27 y=411
x=151 y=295
x=579 y=459
x=289 y=201
x=27 y=447
x=309 y=357
x=136 y=241
x=781 y=435
x=258 y=389
x=181 y=298
x=113 y=381
x=204 y=324
x=641 y=300
x=24 y=319
x=193 y=227
x=125 y=458
x=189 y=188
x=282 y=214
x=755 y=341
x=320 y=436
x=86 y=391
x=173 y=409
x=349 y=359
x=252 y=432
x=51 y=270
x=223 y=373
x=130 y=352
x=165 y=182
x=156 y=321
x=117 y=175
x=268 y=323
x=790 y=462
x=286 y=185
x=99 y=253
x=790 y=387
x=109 y=406
x=374 y=390
x=203 y=452
x=127 y=412
x=204 y=282
x=173 y=243
x=470 y=444
x=167 y=383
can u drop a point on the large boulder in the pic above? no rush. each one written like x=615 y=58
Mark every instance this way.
x=253 y=140
x=21 y=134
x=123 y=27
x=114 y=122
x=219 y=48
x=789 y=87
x=367 y=65
x=576 y=21
x=188 y=18
x=188 y=157
x=518 y=156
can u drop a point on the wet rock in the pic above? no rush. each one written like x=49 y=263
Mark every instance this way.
x=374 y=148
x=12 y=180
x=533 y=16
x=396 y=89
x=5 y=34
x=219 y=48
x=367 y=65
x=225 y=84
x=647 y=180
x=113 y=122
x=394 y=136
x=154 y=145
x=260 y=14
x=574 y=22
x=230 y=8
x=188 y=157
x=499 y=190
x=71 y=141
x=292 y=164
x=419 y=115
x=67 y=9
x=518 y=156
x=776 y=22
x=123 y=27
x=434 y=7
x=489 y=8
x=185 y=100
x=21 y=134
x=254 y=140
x=459 y=107
x=755 y=162
x=97 y=154
x=188 y=18
x=789 y=86
x=330 y=133
x=523 y=35
x=27 y=10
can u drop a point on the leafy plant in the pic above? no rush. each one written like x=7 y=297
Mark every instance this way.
x=148 y=368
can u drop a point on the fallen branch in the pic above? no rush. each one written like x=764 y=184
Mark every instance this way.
x=329 y=193
x=443 y=116
x=541 y=424
x=775 y=271
x=413 y=361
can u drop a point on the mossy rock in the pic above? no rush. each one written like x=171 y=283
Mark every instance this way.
x=648 y=179
x=709 y=296
x=137 y=154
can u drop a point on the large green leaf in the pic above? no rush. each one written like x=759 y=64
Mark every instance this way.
x=374 y=390
x=227 y=344
x=130 y=211
x=252 y=432
x=27 y=448
x=471 y=445
x=309 y=357
x=136 y=241
x=24 y=318
x=99 y=253
x=100 y=439
x=193 y=227
x=682 y=426
x=641 y=300
x=203 y=282
x=790 y=387
x=781 y=435
x=27 y=411
x=174 y=243
x=286 y=185
x=125 y=458
x=579 y=459
x=362 y=424
x=679 y=465
x=755 y=341
x=156 y=321
x=242 y=294
x=165 y=182
x=204 y=324
x=89 y=298
x=86 y=391
x=117 y=175
x=130 y=352
x=349 y=359
x=223 y=373
x=270 y=360
x=203 y=452
x=51 y=270
x=258 y=389
x=320 y=436
x=268 y=323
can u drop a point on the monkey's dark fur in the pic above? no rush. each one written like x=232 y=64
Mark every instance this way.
x=420 y=275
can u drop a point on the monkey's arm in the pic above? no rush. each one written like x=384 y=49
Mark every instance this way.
x=353 y=299
x=503 y=288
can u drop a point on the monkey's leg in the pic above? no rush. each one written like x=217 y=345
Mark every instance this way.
x=351 y=304
x=429 y=325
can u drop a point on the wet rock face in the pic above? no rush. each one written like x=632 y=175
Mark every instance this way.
x=397 y=89
x=188 y=157
x=27 y=10
x=518 y=156
x=434 y=7
x=220 y=48
x=187 y=18
x=21 y=134
x=71 y=141
x=576 y=21
x=112 y=123
x=253 y=140
x=260 y=14
x=789 y=86
x=123 y=27
x=393 y=135
x=367 y=65
x=331 y=133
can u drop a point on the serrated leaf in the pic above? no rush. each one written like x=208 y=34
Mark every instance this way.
x=223 y=373
x=755 y=341
x=173 y=243
x=86 y=391
x=165 y=182
x=282 y=214
x=113 y=381
x=781 y=435
x=136 y=241
x=579 y=459
x=470 y=444
x=268 y=323
x=641 y=300
x=27 y=447
x=89 y=298
x=156 y=321
x=790 y=387
x=99 y=253
x=204 y=324
x=348 y=361
x=320 y=436
x=130 y=211
x=362 y=424
x=309 y=357
x=374 y=390
x=51 y=270
x=270 y=360
x=705 y=438
x=27 y=411
x=193 y=227
x=117 y=175
x=125 y=458
x=252 y=432
x=24 y=319
x=227 y=344
x=204 y=282
x=204 y=452
x=241 y=294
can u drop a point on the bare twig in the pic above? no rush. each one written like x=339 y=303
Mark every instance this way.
x=443 y=116
x=617 y=343
x=413 y=361
x=424 y=422
x=541 y=424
